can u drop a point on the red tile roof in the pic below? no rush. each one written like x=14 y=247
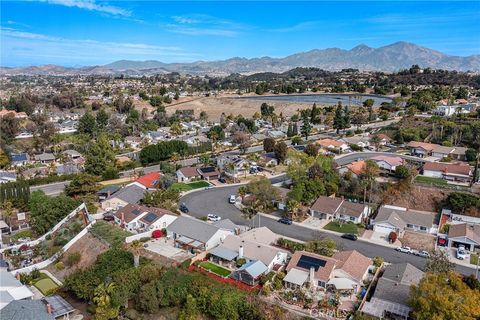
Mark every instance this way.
x=423 y=145
x=329 y=142
x=357 y=167
x=150 y=180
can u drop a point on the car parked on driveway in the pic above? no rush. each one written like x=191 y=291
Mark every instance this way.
x=349 y=236
x=462 y=253
x=108 y=217
x=285 y=221
x=213 y=217
x=404 y=249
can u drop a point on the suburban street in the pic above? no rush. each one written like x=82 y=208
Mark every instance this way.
x=215 y=200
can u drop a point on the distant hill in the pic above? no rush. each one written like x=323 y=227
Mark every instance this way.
x=393 y=57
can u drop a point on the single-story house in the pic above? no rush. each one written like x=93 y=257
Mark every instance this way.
x=67 y=168
x=187 y=174
x=150 y=181
x=281 y=203
x=227 y=224
x=6 y=176
x=328 y=144
x=360 y=141
x=107 y=191
x=133 y=141
x=26 y=310
x=384 y=139
x=19 y=159
x=345 y=271
x=391 y=295
x=250 y=272
x=134 y=217
x=129 y=195
x=268 y=159
x=356 y=167
x=209 y=173
x=399 y=219
x=44 y=158
x=340 y=209
x=467 y=234
x=194 y=234
x=12 y=289
x=421 y=149
x=455 y=172
x=260 y=235
x=72 y=154
x=388 y=163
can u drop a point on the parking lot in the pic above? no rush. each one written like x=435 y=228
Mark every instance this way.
x=164 y=247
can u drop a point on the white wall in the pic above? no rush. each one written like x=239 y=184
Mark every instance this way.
x=215 y=240
x=433 y=174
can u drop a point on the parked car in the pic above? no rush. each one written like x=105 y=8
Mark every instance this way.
x=222 y=180
x=404 y=249
x=349 y=236
x=461 y=253
x=208 y=188
x=423 y=254
x=183 y=208
x=232 y=199
x=285 y=221
x=108 y=217
x=213 y=217
x=24 y=240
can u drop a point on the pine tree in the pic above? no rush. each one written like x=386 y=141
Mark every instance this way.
x=289 y=130
x=306 y=127
x=295 y=130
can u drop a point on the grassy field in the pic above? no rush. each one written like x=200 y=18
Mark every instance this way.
x=474 y=259
x=343 y=228
x=430 y=180
x=189 y=186
x=110 y=233
x=215 y=268
x=45 y=285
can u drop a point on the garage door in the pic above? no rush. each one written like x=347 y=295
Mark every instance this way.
x=383 y=229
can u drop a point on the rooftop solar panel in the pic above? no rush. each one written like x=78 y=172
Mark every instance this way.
x=207 y=169
x=150 y=217
x=136 y=212
x=307 y=262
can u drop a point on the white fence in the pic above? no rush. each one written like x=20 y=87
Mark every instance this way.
x=53 y=258
x=139 y=236
x=55 y=228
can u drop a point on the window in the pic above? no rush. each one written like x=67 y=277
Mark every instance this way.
x=409 y=225
x=352 y=219
x=164 y=224
x=321 y=284
x=423 y=228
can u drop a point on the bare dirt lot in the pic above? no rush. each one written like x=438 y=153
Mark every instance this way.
x=89 y=248
x=418 y=241
x=215 y=106
x=422 y=198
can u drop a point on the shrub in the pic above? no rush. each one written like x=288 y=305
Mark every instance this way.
x=35 y=274
x=241 y=262
x=185 y=264
x=73 y=258
x=392 y=237
x=23 y=234
x=445 y=228
x=144 y=239
x=59 y=266
x=378 y=261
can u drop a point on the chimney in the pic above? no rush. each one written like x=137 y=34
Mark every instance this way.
x=49 y=308
x=17 y=276
x=240 y=252
x=312 y=277
x=122 y=224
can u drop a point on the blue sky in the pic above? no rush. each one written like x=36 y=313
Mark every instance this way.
x=89 y=32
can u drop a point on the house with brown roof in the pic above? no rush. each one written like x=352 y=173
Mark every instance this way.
x=138 y=218
x=187 y=174
x=330 y=144
x=398 y=219
x=356 y=167
x=330 y=208
x=345 y=271
x=388 y=163
x=466 y=234
x=454 y=172
x=384 y=139
x=421 y=149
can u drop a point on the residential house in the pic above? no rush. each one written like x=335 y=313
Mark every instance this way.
x=260 y=235
x=26 y=310
x=107 y=191
x=388 y=163
x=281 y=203
x=187 y=174
x=232 y=165
x=250 y=272
x=44 y=158
x=12 y=289
x=19 y=159
x=455 y=153
x=383 y=139
x=138 y=218
x=227 y=224
x=359 y=141
x=330 y=144
x=276 y=134
x=356 y=168
x=391 y=295
x=209 y=173
x=67 y=168
x=67 y=126
x=129 y=195
x=421 y=149
x=150 y=181
x=453 y=172
x=345 y=271
x=449 y=110
x=72 y=155
x=16 y=115
x=196 y=235
x=133 y=141
x=399 y=219
x=6 y=176
x=268 y=159
x=466 y=234
x=340 y=209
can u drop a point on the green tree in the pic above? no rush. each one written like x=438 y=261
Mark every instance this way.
x=190 y=309
x=99 y=156
x=281 y=150
x=82 y=184
x=402 y=172
x=266 y=110
x=339 y=119
x=147 y=298
x=87 y=124
x=102 y=119
x=306 y=127
x=438 y=262
x=4 y=159
x=268 y=144
x=444 y=296
x=105 y=310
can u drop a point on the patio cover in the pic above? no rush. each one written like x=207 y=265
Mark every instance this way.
x=196 y=244
x=224 y=253
x=342 y=283
x=255 y=268
x=184 y=240
x=377 y=308
x=20 y=293
x=296 y=276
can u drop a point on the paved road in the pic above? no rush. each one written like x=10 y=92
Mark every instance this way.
x=215 y=201
x=52 y=189
x=344 y=159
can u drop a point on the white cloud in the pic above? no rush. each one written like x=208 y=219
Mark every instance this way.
x=91 y=5
x=204 y=25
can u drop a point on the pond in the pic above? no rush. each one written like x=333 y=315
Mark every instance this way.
x=324 y=98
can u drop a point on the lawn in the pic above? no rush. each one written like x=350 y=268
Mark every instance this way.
x=215 y=268
x=345 y=227
x=431 y=180
x=110 y=233
x=45 y=285
x=474 y=259
x=189 y=186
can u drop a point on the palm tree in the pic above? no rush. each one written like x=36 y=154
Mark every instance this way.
x=242 y=192
x=292 y=208
x=369 y=174
x=135 y=247
x=102 y=294
x=246 y=167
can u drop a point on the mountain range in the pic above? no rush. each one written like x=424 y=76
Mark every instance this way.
x=393 y=57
